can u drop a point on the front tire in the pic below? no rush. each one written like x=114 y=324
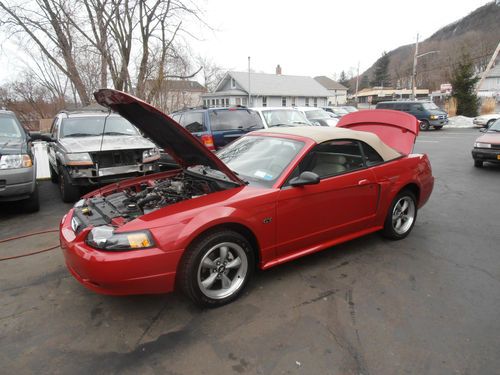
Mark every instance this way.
x=424 y=125
x=53 y=174
x=401 y=216
x=216 y=268
x=69 y=192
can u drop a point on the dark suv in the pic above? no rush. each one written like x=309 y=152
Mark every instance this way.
x=92 y=148
x=216 y=127
x=17 y=163
x=428 y=113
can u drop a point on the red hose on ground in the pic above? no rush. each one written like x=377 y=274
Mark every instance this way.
x=29 y=235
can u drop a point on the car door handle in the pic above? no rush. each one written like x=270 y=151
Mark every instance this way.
x=364 y=181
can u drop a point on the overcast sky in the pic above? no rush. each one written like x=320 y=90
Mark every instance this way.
x=305 y=37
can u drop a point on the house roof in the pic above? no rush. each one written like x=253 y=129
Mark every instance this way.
x=369 y=91
x=180 y=85
x=329 y=84
x=277 y=85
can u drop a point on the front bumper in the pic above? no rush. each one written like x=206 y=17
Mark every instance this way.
x=17 y=184
x=146 y=271
x=439 y=122
x=477 y=122
x=93 y=175
x=486 y=154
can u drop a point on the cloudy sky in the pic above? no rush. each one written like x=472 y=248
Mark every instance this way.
x=305 y=37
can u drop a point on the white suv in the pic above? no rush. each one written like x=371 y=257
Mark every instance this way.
x=281 y=116
x=318 y=116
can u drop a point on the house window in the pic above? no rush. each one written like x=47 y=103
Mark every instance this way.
x=233 y=83
x=283 y=101
x=307 y=102
x=244 y=101
x=293 y=101
x=227 y=102
x=315 y=102
x=264 y=101
x=238 y=101
x=213 y=102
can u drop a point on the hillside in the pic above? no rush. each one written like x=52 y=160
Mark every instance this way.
x=476 y=34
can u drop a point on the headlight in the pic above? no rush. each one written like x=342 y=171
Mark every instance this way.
x=482 y=145
x=433 y=117
x=79 y=158
x=15 y=161
x=104 y=238
x=150 y=155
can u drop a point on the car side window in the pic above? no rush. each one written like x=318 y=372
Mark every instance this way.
x=332 y=158
x=193 y=122
x=177 y=117
x=416 y=107
x=55 y=127
x=372 y=157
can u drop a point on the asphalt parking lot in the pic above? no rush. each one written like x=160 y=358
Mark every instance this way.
x=429 y=304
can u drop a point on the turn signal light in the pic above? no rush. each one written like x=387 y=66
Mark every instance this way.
x=208 y=141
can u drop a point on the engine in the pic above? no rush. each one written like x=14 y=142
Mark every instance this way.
x=138 y=200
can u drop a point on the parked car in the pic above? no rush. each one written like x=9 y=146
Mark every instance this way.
x=349 y=108
x=487 y=146
x=428 y=113
x=318 y=116
x=17 y=164
x=486 y=121
x=92 y=148
x=281 y=116
x=338 y=111
x=216 y=127
x=271 y=196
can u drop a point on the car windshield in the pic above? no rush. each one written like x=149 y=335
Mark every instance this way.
x=233 y=119
x=94 y=125
x=260 y=160
x=317 y=114
x=429 y=105
x=277 y=117
x=495 y=126
x=10 y=128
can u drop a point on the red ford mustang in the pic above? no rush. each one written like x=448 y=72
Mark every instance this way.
x=270 y=197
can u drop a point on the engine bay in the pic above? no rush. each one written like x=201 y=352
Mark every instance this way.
x=125 y=204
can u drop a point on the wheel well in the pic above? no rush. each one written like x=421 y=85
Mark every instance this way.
x=241 y=229
x=414 y=189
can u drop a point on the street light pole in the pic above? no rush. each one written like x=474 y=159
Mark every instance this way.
x=414 y=73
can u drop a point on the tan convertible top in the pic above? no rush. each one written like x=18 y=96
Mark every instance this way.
x=320 y=134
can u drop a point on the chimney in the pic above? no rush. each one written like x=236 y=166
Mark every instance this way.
x=278 y=70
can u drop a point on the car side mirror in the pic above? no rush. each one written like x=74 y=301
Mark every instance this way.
x=305 y=178
x=37 y=136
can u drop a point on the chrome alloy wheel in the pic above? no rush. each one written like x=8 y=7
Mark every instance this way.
x=403 y=214
x=222 y=270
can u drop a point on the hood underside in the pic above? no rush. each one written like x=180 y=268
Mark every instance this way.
x=164 y=131
x=395 y=128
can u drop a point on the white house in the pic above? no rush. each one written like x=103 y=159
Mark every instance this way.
x=338 y=92
x=266 y=90
x=490 y=86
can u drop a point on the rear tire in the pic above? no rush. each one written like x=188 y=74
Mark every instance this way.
x=401 y=216
x=424 y=125
x=69 y=192
x=216 y=268
x=478 y=163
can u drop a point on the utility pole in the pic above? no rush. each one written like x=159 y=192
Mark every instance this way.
x=357 y=84
x=487 y=70
x=414 y=73
x=249 y=90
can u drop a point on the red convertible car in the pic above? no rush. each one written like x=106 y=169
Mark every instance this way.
x=272 y=196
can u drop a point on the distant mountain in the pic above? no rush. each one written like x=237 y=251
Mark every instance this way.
x=476 y=34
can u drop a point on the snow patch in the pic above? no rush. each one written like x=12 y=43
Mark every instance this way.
x=460 y=122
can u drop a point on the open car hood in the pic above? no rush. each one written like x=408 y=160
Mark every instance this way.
x=164 y=131
x=395 y=128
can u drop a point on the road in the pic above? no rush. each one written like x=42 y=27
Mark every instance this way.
x=429 y=304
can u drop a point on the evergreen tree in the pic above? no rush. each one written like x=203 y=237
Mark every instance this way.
x=381 y=75
x=343 y=80
x=364 y=83
x=463 y=83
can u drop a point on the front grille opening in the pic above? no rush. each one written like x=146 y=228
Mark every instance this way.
x=106 y=159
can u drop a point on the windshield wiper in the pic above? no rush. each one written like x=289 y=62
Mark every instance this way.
x=273 y=125
x=80 y=135
x=256 y=126
x=115 y=133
